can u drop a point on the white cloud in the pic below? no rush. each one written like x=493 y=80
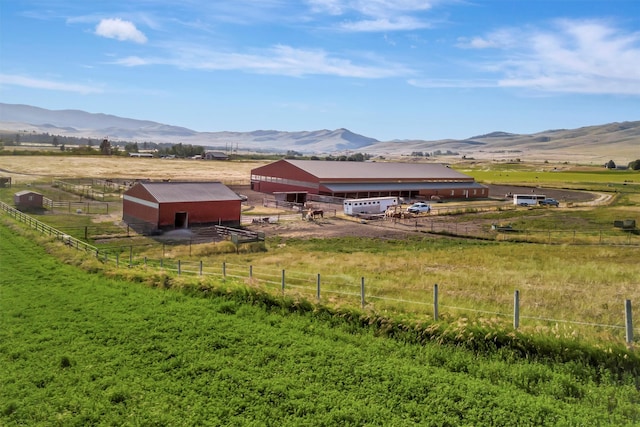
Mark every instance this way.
x=278 y=60
x=589 y=57
x=452 y=83
x=400 y=23
x=120 y=30
x=375 y=15
x=24 y=81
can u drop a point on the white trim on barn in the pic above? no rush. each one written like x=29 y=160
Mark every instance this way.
x=141 y=201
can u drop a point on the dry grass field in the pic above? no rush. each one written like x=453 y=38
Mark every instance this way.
x=26 y=169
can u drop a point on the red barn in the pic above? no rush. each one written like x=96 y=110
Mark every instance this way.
x=151 y=206
x=28 y=200
x=366 y=179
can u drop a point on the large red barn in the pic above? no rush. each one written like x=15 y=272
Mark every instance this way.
x=366 y=179
x=154 y=206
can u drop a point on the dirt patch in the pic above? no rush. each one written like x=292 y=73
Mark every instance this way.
x=337 y=225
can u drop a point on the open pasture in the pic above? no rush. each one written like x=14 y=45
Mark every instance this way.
x=553 y=175
x=87 y=350
x=29 y=169
x=567 y=283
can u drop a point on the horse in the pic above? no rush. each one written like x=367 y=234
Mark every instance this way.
x=313 y=214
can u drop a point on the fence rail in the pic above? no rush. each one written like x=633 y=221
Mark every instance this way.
x=333 y=289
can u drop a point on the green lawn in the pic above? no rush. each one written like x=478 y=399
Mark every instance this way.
x=80 y=349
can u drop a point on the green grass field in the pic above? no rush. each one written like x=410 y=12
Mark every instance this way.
x=556 y=176
x=80 y=349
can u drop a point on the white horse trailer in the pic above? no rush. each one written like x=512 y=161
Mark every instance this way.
x=527 y=199
x=371 y=205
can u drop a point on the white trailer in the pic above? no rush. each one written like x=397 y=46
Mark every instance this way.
x=527 y=199
x=371 y=205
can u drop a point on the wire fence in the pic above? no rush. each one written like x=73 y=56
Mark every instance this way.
x=430 y=300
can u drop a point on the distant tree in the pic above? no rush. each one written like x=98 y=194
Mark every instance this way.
x=131 y=147
x=610 y=164
x=105 y=147
x=635 y=165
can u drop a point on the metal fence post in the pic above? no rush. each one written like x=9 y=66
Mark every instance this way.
x=224 y=270
x=435 y=302
x=282 y=282
x=201 y=267
x=318 y=288
x=179 y=267
x=251 y=272
x=362 y=301
x=628 y=321
x=516 y=309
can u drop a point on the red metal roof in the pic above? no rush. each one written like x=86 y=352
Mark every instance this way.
x=376 y=170
x=171 y=192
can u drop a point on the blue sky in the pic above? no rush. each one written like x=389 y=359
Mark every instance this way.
x=404 y=69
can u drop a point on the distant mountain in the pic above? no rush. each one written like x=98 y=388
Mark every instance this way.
x=82 y=124
x=598 y=144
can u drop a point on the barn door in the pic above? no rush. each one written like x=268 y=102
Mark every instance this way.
x=181 y=220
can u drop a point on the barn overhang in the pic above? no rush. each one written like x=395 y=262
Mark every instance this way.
x=352 y=187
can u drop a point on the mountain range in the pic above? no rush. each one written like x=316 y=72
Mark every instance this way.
x=595 y=144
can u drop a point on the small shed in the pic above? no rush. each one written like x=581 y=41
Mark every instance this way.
x=152 y=206
x=28 y=200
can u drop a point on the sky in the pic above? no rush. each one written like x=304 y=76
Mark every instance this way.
x=386 y=69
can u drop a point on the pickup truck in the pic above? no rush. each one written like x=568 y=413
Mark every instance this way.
x=549 y=202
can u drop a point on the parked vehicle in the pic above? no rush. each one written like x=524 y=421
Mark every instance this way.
x=527 y=199
x=419 y=207
x=549 y=202
x=371 y=205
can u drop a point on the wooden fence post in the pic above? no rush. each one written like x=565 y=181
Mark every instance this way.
x=516 y=309
x=628 y=321
x=435 y=302
x=251 y=272
x=179 y=267
x=362 y=301
x=201 y=267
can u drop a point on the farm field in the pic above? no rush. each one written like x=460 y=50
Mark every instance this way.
x=78 y=348
x=29 y=169
x=573 y=284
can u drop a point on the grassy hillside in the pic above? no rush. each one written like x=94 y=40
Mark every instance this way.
x=81 y=349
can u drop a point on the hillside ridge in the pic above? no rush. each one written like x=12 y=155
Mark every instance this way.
x=597 y=143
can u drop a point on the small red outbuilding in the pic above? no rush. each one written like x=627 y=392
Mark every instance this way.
x=28 y=200
x=151 y=206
